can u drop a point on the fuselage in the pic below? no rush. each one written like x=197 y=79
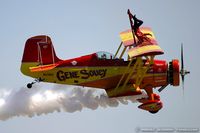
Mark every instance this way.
x=103 y=70
x=92 y=71
x=98 y=70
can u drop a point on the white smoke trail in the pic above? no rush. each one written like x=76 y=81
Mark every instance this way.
x=41 y=100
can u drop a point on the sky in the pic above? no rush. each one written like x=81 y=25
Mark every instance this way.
x=83 y=27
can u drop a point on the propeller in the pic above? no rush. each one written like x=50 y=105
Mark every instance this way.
x=183 y=72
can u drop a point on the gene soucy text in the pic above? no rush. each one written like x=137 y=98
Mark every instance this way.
x=83 y=74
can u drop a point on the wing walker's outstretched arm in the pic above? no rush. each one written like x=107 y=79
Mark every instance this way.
x=135 y=26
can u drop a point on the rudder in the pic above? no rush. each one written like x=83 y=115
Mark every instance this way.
x=39 y=49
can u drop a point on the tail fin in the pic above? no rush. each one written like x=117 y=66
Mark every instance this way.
x=39 y=49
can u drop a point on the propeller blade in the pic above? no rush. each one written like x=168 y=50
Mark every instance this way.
x=182 y=68
x=182 y=63
x=183 y=78
x=183 y=72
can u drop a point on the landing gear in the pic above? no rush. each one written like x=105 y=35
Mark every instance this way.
x=153 y=106
x=152 y=103
x=154 y=112
x=29 y=85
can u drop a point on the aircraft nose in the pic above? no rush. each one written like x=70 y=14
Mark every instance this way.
x=173 y=72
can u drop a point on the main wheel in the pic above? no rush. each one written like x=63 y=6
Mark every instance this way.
x=154 y=112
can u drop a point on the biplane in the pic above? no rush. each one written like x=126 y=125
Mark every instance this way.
x=120 y=77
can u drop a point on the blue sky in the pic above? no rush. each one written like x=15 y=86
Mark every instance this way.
x=82 y=27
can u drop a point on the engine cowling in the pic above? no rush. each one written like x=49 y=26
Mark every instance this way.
x=173 y=72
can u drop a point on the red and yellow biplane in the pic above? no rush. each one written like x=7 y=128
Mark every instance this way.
x=119 y=77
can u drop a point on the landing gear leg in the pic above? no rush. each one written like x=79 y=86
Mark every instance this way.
x=29 y=85
x=152 y=103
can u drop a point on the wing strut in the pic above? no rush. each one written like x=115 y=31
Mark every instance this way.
x=118 y=50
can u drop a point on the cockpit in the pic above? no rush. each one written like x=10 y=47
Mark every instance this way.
x=104 y=55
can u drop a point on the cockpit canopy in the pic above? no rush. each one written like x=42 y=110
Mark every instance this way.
x=104 y=55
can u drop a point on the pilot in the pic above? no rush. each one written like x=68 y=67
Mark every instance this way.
x=103 y=56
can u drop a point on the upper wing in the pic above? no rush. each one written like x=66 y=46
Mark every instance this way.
x=149 y=46
x=127 y=36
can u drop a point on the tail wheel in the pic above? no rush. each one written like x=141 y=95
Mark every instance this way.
x=29 y=85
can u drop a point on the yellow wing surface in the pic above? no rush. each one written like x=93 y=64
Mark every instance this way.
x=127 y=36
x=148 y=47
